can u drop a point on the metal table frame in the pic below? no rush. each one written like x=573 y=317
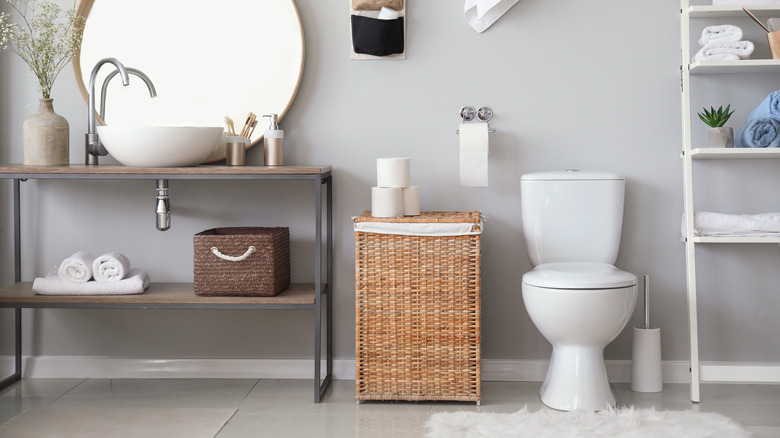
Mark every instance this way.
x=320 y=176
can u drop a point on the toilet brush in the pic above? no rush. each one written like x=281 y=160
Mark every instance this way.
x=646 y=354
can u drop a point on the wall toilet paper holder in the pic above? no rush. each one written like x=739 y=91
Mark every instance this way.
x=484 y=113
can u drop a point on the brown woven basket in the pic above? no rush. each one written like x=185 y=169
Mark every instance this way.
x=225 y=264
x=418 y=312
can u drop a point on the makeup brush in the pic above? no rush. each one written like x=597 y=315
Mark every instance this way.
x=756 y=19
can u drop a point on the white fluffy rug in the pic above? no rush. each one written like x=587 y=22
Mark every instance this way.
x=623 y=423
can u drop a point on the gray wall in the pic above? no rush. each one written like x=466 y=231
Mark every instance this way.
x=590 y=85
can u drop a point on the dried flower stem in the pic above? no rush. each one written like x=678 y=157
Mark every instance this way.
x=46 y=39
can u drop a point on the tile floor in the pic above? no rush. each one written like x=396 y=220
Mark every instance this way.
x=284 y=408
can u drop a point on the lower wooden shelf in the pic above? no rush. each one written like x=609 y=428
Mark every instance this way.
x=159 y=295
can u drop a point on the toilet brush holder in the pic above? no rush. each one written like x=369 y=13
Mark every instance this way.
x=646 y=360
x=646 y=354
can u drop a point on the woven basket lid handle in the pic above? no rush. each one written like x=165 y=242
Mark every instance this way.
x=248 y=252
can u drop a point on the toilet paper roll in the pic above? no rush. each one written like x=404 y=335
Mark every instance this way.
x=411 y=200
x=646 y=360
x=387 y=202
x=392 y=172
x=473 y=154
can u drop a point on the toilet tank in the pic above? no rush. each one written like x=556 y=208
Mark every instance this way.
x=572 y=216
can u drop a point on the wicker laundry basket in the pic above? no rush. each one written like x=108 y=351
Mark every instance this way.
x=418 y=310
x=242 y=261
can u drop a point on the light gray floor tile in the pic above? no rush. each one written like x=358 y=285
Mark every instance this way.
x=150 y=393
x=32 y=393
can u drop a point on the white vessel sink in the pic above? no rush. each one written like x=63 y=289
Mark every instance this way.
x=160 y=146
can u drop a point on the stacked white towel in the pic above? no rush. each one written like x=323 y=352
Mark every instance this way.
x=723 y=43
x=77 y=268
x=707 y=223
x=111 y=266
x=83 y=274
x=136 y=282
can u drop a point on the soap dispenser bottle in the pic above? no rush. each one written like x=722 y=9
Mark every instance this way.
x=273 y=143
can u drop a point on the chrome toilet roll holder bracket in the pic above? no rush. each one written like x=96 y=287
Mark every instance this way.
x=484 y=114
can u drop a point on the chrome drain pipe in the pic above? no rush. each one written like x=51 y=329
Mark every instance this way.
x=163 y=205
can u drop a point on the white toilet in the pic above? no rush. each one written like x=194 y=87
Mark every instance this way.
x=577 y=299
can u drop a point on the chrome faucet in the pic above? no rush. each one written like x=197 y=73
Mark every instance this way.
x=132 y=71
x=94 y=148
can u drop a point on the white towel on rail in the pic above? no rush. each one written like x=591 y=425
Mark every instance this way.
x=707 y=223
x=721 y=33
x=725 y=51
x=77 y=268
x=111 y=266
x=136 y=282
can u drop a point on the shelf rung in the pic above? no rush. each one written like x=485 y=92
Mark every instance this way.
x=736 y=239
x=748 y=153
x=740 y=373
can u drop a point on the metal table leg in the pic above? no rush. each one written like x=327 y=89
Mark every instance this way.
x=17 y=375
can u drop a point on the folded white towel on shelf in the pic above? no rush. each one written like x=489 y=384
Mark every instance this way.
x=111 y=266
x=707 y=223
x=745 y=2
x=730 y=50
x=722 y=33
x=136 y=282
x=77 y=268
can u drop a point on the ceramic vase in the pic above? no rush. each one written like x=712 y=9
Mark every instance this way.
x=46 y=137
x=720 y=137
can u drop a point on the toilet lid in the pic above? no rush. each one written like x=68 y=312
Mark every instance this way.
x=579 y=276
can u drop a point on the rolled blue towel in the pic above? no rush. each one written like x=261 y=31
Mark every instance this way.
x=759 y=133
x=770 y=107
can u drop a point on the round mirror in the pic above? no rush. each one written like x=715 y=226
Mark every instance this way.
x=207 y=60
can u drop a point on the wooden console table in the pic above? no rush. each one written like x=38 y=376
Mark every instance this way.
x=316 y=296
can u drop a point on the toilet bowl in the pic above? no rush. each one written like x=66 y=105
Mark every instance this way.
x=579 y=308
x=576 y=297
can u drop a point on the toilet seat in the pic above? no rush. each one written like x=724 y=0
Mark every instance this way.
x=581 y=275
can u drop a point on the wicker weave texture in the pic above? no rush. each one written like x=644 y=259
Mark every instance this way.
x=418 y=316
x=265 y=272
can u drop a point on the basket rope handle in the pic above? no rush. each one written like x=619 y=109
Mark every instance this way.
x=248 y=252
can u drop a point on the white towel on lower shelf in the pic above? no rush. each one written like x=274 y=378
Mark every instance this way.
x=725 y=51
x=136 y=282
x=111 y=266
x=707 y=223
x=77 y=268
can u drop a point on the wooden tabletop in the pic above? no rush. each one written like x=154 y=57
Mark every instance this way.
x=157 y=295
x=202 y=170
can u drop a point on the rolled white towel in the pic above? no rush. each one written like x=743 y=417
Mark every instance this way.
x=77 y=268
x=732 y=50
x=722 y=33
x=111 y=266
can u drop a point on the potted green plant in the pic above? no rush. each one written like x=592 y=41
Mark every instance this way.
x=718 y=136
x=45 y=38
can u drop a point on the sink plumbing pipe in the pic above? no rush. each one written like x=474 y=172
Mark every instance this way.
x=163 y=211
